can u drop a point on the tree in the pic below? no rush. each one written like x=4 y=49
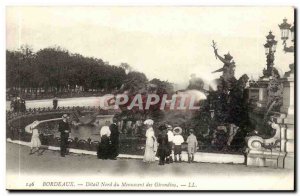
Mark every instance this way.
x=54 y=69
x=126 y=67
x=195 y=83
x=135 y=82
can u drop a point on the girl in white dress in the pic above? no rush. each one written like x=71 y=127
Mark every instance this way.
x=35 y=143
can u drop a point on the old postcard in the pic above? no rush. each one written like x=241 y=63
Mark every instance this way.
x=150 y=98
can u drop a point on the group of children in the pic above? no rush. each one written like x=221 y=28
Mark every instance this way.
x=175 y=142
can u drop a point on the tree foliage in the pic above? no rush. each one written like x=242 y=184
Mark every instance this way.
x=55 y=69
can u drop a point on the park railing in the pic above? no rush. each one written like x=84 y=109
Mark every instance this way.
x=130 y=143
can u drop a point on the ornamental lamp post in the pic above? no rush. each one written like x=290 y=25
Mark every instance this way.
x=270 y=49
x=263 y=83
x=286 y=28
x=271 y=44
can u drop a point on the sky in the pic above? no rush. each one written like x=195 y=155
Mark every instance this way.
x=169 y=43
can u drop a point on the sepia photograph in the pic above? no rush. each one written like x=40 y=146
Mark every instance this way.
x=150 y=98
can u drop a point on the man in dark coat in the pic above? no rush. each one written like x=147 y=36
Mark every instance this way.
x=163 y=145
x=64 y=130
x=55 y=103
x=23 y=106
x=114 y=139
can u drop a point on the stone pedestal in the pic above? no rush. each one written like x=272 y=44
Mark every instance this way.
x=288 y=109
x=287 y=140
x=263 y=92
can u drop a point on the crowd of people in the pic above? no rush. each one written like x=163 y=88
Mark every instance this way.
x=18 y=105
x=108 y=145
x=166 y=143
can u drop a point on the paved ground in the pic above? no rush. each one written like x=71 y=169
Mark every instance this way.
x=216 y=176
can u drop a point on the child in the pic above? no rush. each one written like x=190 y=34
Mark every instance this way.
x=163 y=147
x=192 y=145
x=170 y=145
x=177 y=140
x=35 y=140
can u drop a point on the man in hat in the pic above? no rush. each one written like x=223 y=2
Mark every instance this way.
x=114 y=138
x=192 y=145
x=64 y=129
x=177 y=140
x=23 y=106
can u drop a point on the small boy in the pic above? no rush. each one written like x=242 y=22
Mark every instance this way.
x=170 y=145
x=177 y=141
x=192 y=145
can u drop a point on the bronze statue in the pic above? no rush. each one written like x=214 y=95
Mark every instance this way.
x=228 y=68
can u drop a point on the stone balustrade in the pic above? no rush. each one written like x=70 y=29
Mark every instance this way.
x=277 y=151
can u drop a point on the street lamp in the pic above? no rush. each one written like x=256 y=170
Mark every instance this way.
x=270 y=46
x=270 y=49
x=267 y=50
x=286 y=28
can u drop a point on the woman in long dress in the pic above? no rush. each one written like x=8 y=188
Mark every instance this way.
x=104 y=145
x=151 y=144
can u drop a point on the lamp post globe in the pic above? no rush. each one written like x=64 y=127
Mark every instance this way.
x=270 y=46
x=285 y=28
